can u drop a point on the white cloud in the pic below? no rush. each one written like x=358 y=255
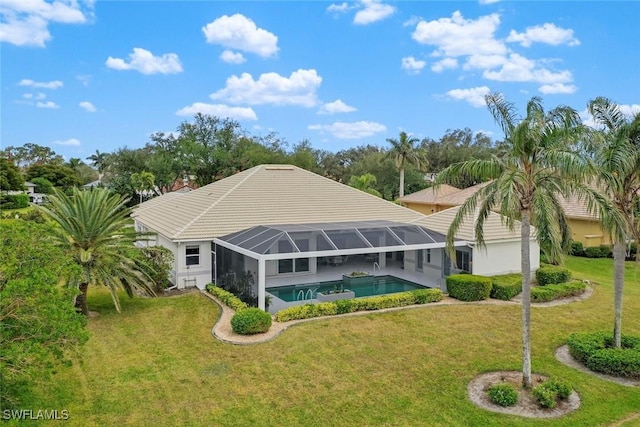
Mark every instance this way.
x=145 y=62
x=353 y=130
x=457 y=36
x=48 y=104
x=484 y=62
x=232 y=57
x=271 y=88
x=71 y=142
x=88 y=106
x=54 y=84
x=412 y=21
x=629 y=110
x=84 y=79
x=517 y=68
x=241 y=33
x=474 y=96
x=26 y=22
x=444 y=64
x=339 y=8
x=373 y=11
x=546 y=33
x=36 y=96
x=412 y=65
x=557 y=88
x=219 y=110
x=336 y=106
x=488 y=1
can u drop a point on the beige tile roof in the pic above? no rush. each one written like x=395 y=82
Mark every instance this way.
x=429 y=195
x=494 y=229
x=265 y=195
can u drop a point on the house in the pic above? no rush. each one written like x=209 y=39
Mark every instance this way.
x=585 y=227
x=276 y=225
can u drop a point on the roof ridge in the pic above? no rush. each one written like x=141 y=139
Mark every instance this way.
x=177 y=233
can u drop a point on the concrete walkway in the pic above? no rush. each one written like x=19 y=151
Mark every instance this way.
x=222 y=328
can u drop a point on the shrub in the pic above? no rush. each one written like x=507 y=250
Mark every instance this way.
x=550 y=391
x=14 y=201
x=469 y=287
x=606 y=251
x=576 y=249
x=34 y=215
x=602 y=251
x=552 y=274
x=400 y=299
x=226 y=297
x=250 y=321
x=503 y=394
x=424 y=296
x=553 y=292
x=506 y=286
x=595 y=350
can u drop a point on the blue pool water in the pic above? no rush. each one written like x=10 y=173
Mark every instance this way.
x=379 y=285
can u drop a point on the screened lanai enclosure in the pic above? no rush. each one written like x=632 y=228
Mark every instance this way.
x=294 y=263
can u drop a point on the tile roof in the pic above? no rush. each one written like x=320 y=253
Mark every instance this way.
x=429 y=195
x=266 y=195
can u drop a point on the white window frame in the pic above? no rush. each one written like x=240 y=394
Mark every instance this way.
x=188 y=256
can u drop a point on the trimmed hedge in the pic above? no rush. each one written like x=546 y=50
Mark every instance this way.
x=506 y=286
x=400 y=299
x=469 y=287
x=14 y=201
x=226 y=297
x=550 y=391
x=552 y=274
x=595 y=350
x=503 y=394
x=251 y=321
x=553 y=292
x=576 y=249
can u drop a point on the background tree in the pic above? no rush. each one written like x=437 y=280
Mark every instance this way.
x=365 y=183
x=617 y=155
x=11 y=178
x=536 y=168
x=38 y=324
x=32 y=154
x=94 y=227
x=404 y=151
x=43 y=185
x=57 y=174
x=100 y=161
x=143 y=182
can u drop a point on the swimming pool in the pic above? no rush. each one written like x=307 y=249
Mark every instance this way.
x=379 y=285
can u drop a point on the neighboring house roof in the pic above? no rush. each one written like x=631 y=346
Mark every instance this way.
x=429 y=195
x=29 y=184
x=92 y=184
x=266 y=195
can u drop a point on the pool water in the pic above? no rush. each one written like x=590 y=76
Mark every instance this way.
x=379 y=285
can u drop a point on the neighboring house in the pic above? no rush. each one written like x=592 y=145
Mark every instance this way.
x=585 y=227
x=93 y=184
x=276 y=225
x=30 y=186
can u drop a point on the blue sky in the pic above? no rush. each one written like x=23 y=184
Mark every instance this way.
x=86 y=76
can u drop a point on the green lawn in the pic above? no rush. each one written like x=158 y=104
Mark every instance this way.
x=157 y=364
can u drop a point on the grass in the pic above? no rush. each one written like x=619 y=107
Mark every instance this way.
x=157 y=364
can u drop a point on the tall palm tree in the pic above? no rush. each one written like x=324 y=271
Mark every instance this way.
x=404 y=151
x=143 y=181
x=99 y=161
x=617 y=155
x=94 y=226
x=536 y=167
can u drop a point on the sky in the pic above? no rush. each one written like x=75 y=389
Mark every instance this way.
x=100 y=75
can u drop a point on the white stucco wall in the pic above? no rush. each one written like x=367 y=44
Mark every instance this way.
x=188 y=276
x=502 y=258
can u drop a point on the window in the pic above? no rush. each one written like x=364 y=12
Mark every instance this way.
x=193 y=255
x=301 y=264
x=428 y=256
x=419 y=260
x=463 y=261
x=298 y=265
x=285 y=266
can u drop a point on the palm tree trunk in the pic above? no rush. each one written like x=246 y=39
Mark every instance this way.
x=81 y=299
x=618 y=286
x=401 y=182
x=525 y=252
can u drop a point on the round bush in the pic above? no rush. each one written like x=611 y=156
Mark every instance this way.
x=250 y=321
x=503 y=394
x=595 y=350
x=468 y=287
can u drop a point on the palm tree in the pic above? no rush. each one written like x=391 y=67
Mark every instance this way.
x=94 y=226
x=365 y=183
x=99 y=161
x=404 y=151
x=536 y=167
x=142 y=181
x=617 y=154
